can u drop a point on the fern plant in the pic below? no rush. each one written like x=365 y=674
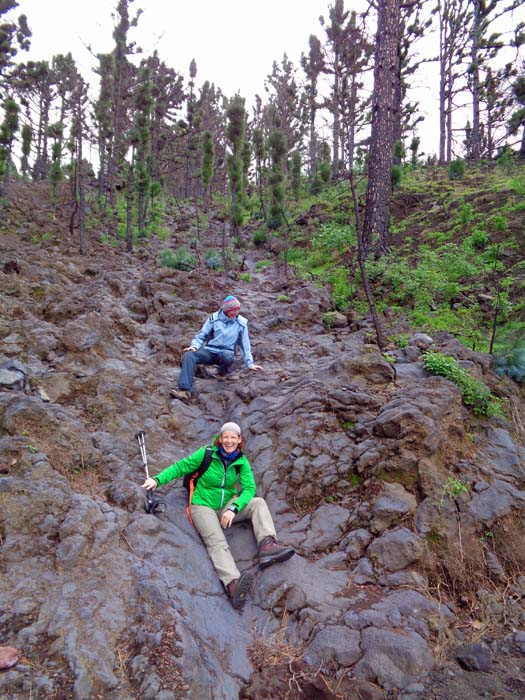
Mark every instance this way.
x=475 y=395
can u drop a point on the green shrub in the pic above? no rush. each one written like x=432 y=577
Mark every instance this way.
x=342 y=292
x=400 y=340
x=456 y=169
x=396 y=175
x=466 y=214
x=509 y=357
x=328 y=319
x=333 y=237
x=213 y=259
x=478 y=239
x=452 y=488
x=474 y=394
x=180 y=259
x=259 y=238
x=499 y=223
x=245 y=277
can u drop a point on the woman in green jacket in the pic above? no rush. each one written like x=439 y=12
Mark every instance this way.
x=217 y=502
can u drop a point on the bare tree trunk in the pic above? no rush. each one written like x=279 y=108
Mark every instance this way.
x=384 y=108
x=475 y=87
x=335 y=155
x=81 y=187
x=442 y=94
x=449 y=118
x=352 y=107
x=361 y=257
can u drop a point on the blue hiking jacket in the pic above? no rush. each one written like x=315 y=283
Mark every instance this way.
x=222 y=333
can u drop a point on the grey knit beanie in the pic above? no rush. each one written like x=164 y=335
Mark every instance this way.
x=232 y=427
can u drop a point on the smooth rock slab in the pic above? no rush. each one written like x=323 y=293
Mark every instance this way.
x=393 y=658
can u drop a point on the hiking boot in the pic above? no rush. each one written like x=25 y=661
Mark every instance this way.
x=182 y=394
x=238 y=590
x=271 y=552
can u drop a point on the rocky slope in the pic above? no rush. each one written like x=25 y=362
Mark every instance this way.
x=401 y=587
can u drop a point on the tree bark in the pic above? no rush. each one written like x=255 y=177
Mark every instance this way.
x=475 y=87
x=384 y=108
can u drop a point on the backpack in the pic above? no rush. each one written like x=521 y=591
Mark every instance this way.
x=190 y=480
x=193 y=477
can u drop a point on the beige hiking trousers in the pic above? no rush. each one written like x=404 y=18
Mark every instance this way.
x=208 y=525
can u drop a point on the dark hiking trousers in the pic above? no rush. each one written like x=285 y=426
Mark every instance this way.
x=204 y=356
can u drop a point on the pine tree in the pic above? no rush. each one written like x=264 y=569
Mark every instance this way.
x=313 y=65
x=193 y=121
x=278 y=149
x=356 y=59
x=33 y=82
x=453 y=16
x=483 y=47
x=517 y=119
x=104 y=119
x=121 y=101
x=259 y=150
x=143 y=104
x=56 y=175
x=208 y=154
x=27 y=137
x=337 y=37
x=285 y=99
x=384 y=107
x=295 y=173
x=8 y=129
x=79 y=100
x=13 y=36
x=236 y=115
x=411 y=28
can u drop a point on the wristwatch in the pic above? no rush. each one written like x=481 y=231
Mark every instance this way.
x=233 y=508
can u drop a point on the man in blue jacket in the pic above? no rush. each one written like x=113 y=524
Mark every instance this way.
x=215 y=344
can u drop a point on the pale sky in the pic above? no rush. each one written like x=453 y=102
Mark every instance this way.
x=234 y=42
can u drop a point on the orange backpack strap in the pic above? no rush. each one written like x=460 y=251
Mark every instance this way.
x=191 y=489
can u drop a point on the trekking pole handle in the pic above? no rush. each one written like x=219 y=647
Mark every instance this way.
x=142 y=445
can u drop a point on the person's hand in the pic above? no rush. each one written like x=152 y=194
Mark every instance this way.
x=189 y=349
x=227 y=518
x=255 y=368
x=149 y=484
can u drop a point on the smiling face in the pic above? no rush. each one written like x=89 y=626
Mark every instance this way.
x=230 y=441
x=232 y=313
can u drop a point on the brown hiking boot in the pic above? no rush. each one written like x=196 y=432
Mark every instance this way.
x=182 y=394
x=238 y=590
x=271 y=552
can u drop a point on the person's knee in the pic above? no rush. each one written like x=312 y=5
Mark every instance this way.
x=257 y=503
x=227 y=358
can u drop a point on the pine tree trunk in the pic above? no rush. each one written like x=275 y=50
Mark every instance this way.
x=81 y=186
x=335 y=156
x=384 y=109
x=442 y=105
x=475 y=87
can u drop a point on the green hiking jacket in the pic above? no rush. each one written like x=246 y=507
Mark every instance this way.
x=216 y=486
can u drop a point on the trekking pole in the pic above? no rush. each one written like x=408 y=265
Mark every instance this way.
x=152 y=505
